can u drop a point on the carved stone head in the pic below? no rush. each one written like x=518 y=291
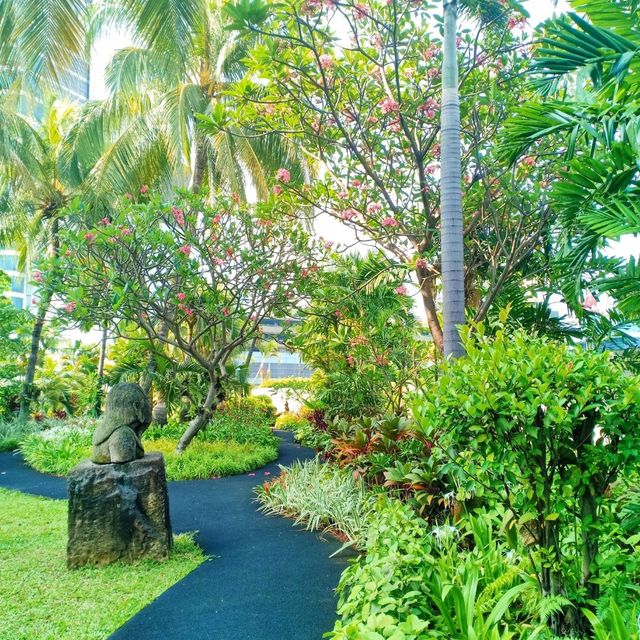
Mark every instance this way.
x=126 y=417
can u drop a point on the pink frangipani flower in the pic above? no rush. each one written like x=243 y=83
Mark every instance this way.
x=389 y=105
x=185 y=249
x=284 y=175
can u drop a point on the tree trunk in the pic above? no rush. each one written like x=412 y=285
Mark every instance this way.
x=426 y=282
x=27 y=388
x=215 y=395
x=100 y=381
x=200 y=164
x=159 y=414
x=452 y=243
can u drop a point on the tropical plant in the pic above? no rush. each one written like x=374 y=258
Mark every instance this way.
x=318 y=496
x=360 y=332
x=36 y=182
x=417 y=582
x=586 y=71
x=179 y=66
x=520 y=412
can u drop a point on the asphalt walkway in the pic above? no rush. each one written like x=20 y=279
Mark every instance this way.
x=266 y=580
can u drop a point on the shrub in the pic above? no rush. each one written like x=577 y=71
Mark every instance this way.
x=456 y=582
x=238 y=421
x=289 y=421
x=225 y=427
x=544 y=429
x=319 y=496
x=262 y=404
x=13 y=432
x=294 y=384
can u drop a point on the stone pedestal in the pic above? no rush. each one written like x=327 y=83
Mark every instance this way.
x=118 y=512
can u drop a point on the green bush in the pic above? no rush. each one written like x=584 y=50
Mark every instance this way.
x=417 y=582
x=13 y=432
x=319 y=496
x=289 y=421
x=543 y=429
x=241 y=420
x=289 y=384
x=261 y=404
x=226 y=427
x=9 y=395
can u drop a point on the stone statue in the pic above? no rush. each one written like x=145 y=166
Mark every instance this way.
x=127 y=415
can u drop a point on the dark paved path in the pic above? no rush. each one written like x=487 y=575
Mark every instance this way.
x=267 y=581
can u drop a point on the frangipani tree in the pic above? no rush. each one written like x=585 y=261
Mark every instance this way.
x=199 y=277
x=357 y=85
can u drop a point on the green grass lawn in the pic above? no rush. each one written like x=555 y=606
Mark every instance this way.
x=41 y=600
x=201 y=459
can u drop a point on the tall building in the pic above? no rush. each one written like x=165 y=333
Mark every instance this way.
x=21 y=291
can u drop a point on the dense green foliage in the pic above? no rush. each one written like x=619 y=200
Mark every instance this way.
x=544 y=430
x=48 y=602
x=361 y=334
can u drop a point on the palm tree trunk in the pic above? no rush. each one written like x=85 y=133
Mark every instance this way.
x=200 y=164
x=43 y=307
x=27 y=388
x=451 y=191
x=100 y=382
x=215 y=395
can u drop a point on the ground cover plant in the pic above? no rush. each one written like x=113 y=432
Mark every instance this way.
x=42 y=600
x=319 y=496
x=233 y=448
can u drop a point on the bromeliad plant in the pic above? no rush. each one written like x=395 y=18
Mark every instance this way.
x=544 y=429
x=196 y=275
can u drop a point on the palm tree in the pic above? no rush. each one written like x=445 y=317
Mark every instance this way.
x=452 y=237
x=593 y=126
x=179 y=68
x=37 y=183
